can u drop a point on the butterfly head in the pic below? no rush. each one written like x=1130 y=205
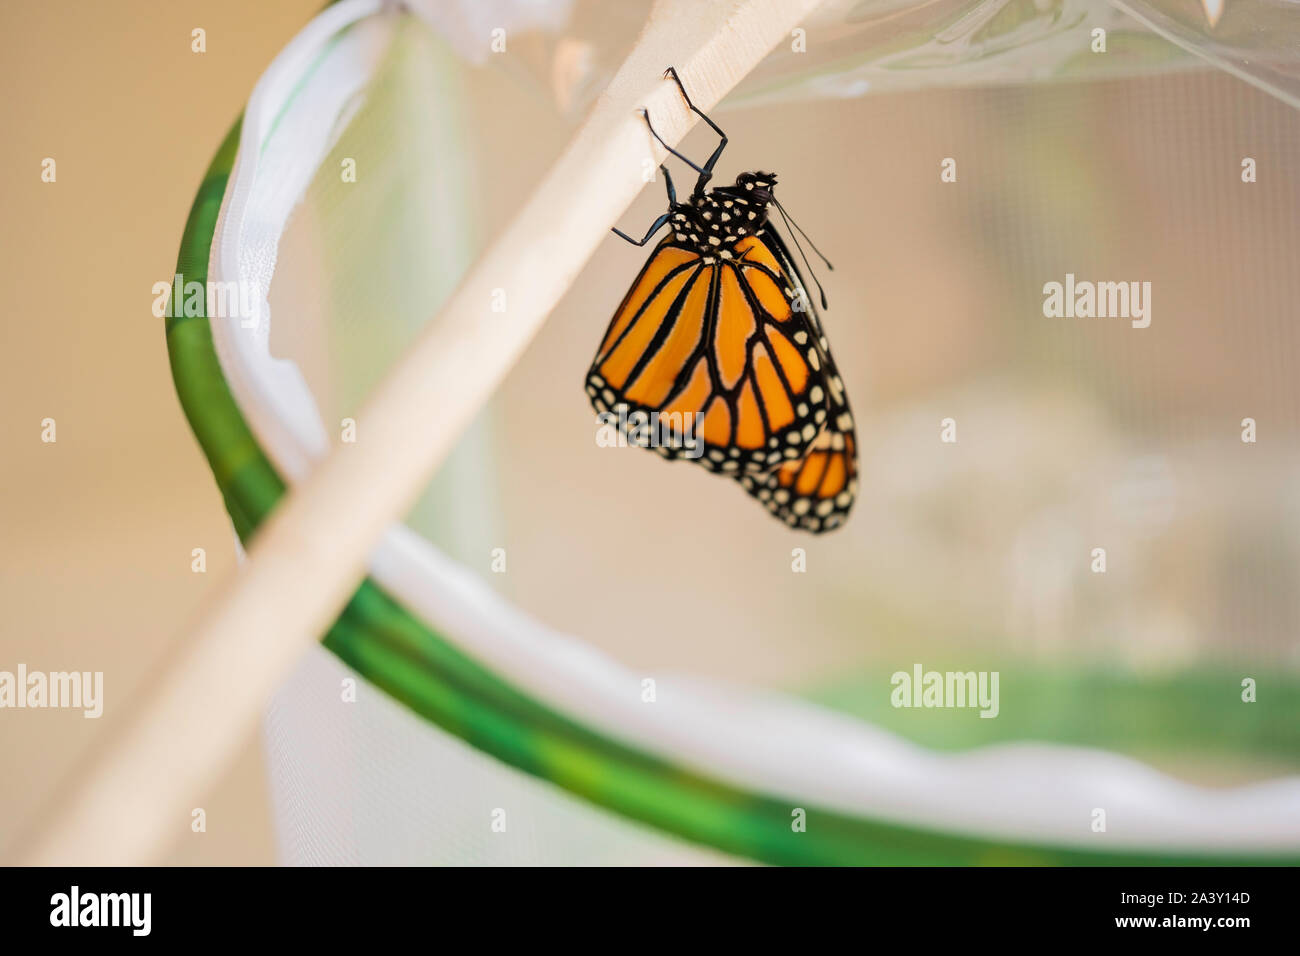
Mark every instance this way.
x=758 y=185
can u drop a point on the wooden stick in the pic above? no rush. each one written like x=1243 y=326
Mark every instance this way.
x=307 y=559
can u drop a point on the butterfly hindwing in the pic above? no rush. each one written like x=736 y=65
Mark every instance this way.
x=817 y=491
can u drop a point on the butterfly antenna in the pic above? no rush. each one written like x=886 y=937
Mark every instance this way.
x=790 y=220
x=789 y=224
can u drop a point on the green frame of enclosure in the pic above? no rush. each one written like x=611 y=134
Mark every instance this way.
x=396 y=652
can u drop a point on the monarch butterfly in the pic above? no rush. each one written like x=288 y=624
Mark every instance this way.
x=718 y=330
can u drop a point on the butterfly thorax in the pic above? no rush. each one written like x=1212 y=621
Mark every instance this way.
x=712 y=222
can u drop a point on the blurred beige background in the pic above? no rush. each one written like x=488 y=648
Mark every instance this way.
x=98 y=528
x=936 y=311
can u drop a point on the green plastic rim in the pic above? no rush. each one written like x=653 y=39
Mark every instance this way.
x=396 y=652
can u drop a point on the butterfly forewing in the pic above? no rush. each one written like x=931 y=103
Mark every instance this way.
x=717 y=350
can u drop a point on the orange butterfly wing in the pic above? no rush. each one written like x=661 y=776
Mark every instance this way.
x=714 y=351
x=817 y=491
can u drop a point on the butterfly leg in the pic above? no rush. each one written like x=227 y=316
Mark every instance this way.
x=654 y=227
x=668 y=183
x=706 y=172
x=672 y=198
